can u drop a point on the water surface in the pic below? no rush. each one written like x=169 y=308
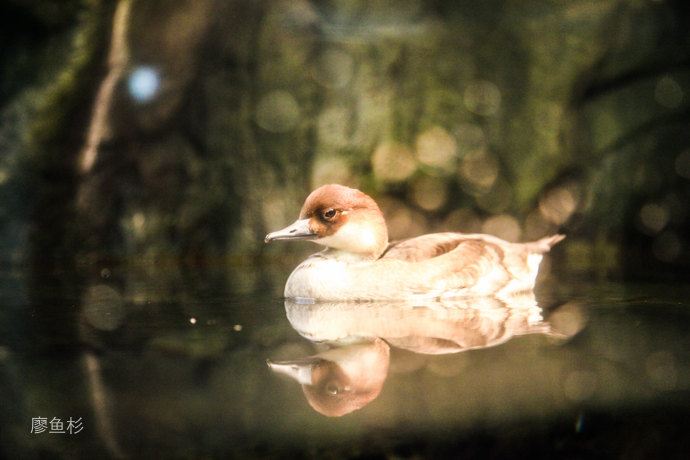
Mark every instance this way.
x=180 y=370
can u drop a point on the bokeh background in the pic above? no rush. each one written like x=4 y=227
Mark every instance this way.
x=147 y=146
x=187 y=130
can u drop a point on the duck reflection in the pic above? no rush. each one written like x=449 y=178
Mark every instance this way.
x=341 y=379
x=358 y=337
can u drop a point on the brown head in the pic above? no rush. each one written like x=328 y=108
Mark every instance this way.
x=341 y=380
x=339 y=217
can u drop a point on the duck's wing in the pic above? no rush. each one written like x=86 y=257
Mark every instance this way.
x=473 y=264
x=425 y=246
x=437 y=244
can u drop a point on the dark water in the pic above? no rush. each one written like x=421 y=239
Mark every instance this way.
x=150 y=367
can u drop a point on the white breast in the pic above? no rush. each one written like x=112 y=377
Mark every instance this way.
x=317 y=278
x=345 y=276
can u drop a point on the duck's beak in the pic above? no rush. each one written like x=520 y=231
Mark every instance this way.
x=299 y=230
x=297 y=369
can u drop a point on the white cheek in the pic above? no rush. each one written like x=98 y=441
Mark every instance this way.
x=351 y=237
x=367 y=237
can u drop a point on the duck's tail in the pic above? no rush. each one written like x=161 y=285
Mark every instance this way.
x=545 y=244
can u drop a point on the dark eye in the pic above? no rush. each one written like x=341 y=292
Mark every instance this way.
x=332 y=389
x=329 y=214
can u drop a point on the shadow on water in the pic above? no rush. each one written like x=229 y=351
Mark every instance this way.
x=173 y=364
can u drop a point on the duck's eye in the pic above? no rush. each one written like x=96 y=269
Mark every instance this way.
x=329 y=214
x=332 y=389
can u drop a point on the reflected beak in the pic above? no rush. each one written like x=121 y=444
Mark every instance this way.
x=297 y=369
x=299 y=230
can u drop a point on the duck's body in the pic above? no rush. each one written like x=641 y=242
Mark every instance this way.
x=360 y=264
x=429 y=266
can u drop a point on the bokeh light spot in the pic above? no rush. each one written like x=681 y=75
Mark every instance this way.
x=536 y=226
x=568 y=319
x=277 y=112
x=653 y=218
x=503 y=226
x=668 y=93
x=479 y=171
x=393 y=162
x=463 y=220
x=143 y=83
x=138 y=223
x=331 y=169
x=437 y=148
x=403 y=222
x=333 y=126
x=103 y=307
x=429 y=193
x=558 y=204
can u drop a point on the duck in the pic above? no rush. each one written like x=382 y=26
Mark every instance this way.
x=341 y=379
x=355 y=340
x=358 y=261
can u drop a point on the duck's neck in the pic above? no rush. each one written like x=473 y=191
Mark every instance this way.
x=347 y=256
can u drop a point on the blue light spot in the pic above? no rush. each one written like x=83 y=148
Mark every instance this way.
x=143 y=84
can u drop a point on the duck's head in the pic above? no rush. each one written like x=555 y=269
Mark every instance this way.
x=340 y=380
x=339 y=217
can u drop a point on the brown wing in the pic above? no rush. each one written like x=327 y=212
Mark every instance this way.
x=455 y=261
x=424 y=247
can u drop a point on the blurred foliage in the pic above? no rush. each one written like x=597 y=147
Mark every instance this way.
x=33 y=40
x=190 y=129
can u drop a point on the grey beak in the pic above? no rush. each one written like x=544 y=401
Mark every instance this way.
x=299 y=230
x=298 y=369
